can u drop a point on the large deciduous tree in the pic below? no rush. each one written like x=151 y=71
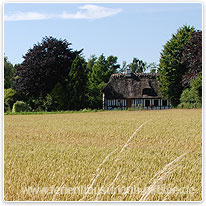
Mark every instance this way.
x=192 y=97
x=77 y=84
x=123 y=68
x=171 y=68
x=192 y=58
x=98 y=77
x=44 y=65
x=9 y=73
x=91 y=62
x=137 y=66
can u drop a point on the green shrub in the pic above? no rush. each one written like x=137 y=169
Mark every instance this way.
x=192 y=97
x=197 y=105
x=132 y=109
x=47 y=102
x=20 y=106
x=9 y=99
x=87 y=110
x=139 y=107
x=39 y=109
x=58 y=98
x=187 y=105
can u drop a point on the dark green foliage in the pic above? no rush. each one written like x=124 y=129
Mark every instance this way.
x=59 y=98
x=137 y=65
x=192 y=57
x=9 y=99
x=123 y=68
x=171 y=68
x=47 y=103
x=54 y=112
x=36 y=104
x=20 y=106
x=192 y=97
x=98 y=77
x=153 y=71
x=112 y=66
x=96 y=82
x=53 y=77
x=77 y=84
x=91 y=62
x=46 y=64
x=153 y=67
x=196 y=85
x=9 y=73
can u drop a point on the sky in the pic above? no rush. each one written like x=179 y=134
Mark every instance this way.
x=125 y=30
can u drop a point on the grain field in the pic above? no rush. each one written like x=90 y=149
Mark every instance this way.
x=104 y=156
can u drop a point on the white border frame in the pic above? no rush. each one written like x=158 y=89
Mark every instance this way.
x=101 y=202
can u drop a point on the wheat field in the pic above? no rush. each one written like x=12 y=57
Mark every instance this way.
x=112 y=155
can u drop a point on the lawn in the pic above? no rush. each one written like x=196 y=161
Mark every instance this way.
x=111 y=156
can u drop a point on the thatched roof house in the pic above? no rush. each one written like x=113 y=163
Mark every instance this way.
x=133 y=90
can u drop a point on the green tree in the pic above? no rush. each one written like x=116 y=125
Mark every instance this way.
x=98 y=77
x=137 y=66
x=112 y=66
x=91 y=62
x=58 y=97
x=123 y=67
x=44 y=65
x=20 y=106
x=47 y=103
x=153 y=67
x=9 y=73
x=196 y=85
x=171 y=68
x=192 y=57
x=193 y=96
x=9 y=99
x=77 y=84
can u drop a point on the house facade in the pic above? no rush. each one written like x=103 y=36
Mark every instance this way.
x=133 y=90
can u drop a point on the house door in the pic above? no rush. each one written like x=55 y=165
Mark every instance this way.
x=128 y=103
x=156 y=102
x=147 y=102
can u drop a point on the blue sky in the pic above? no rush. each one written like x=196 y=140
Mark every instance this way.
x=125 y=30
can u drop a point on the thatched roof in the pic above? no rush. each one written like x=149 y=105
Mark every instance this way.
x=139 y=85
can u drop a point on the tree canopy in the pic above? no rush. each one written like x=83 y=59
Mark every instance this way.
x=54 y=77
x=137 y=65
x=44 y=65
x=192 y=97
x=98 y=77
x=171 y=68
x=192 y=57
x=9 y=73
x=77 y=84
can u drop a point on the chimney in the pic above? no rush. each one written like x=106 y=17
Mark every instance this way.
x=128 y=72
